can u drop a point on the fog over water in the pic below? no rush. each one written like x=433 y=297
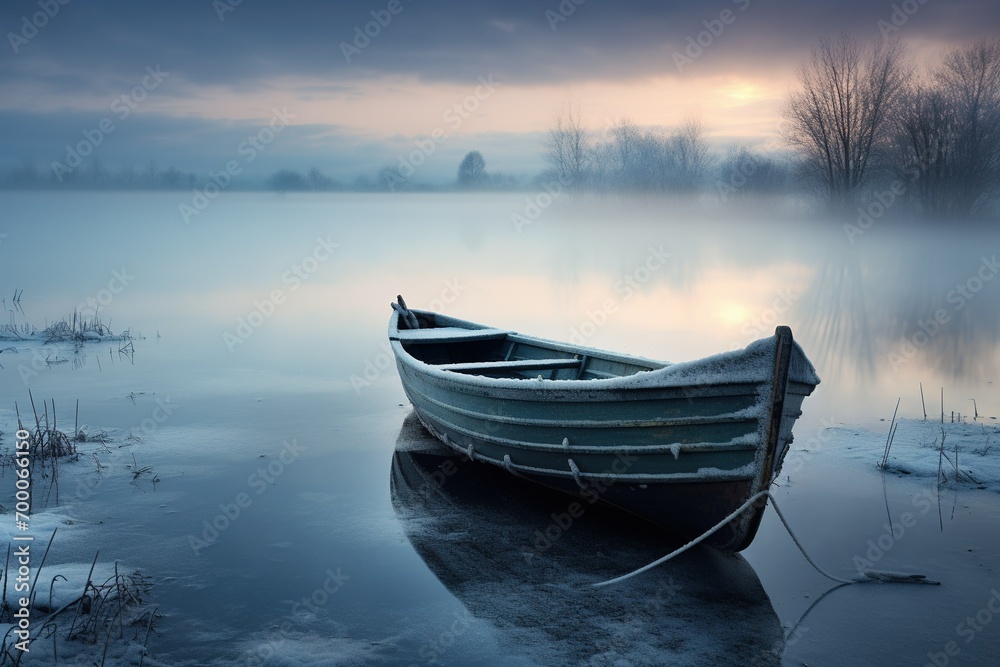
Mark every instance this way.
x=263 y=323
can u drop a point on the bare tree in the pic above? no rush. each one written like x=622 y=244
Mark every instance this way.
x=616 y=163
x=26 y=176
x=172 y=178
x=287 y=180
x=691 y=155
x=839 y=118
x=925 y=128
x=947 y=134
x=970 y=78
x=625 y=145
x=472 y=170
x=651 y=160
x=319 y=181
x=748 y=176
x=127 y=177
x=390 y=177
x=566 y=147
x=97 y=174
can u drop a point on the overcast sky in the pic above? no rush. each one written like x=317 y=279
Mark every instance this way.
x=186 y=82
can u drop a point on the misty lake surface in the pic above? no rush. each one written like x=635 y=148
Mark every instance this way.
x=291 y=523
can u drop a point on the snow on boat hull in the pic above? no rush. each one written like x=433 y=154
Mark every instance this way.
x=682 y=445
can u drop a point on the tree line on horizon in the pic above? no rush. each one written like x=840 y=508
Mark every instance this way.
x=865 y=130
x=93 y=175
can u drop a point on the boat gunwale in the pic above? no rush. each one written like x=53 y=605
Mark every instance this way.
x=651 y=365
x=569 y=388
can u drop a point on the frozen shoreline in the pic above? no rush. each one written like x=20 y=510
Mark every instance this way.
x=915 y=450
x=61 y=593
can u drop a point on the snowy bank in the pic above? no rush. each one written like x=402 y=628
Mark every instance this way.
x=970 y=456
x=62 y=602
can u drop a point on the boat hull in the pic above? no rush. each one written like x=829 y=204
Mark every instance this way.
x=681 y=455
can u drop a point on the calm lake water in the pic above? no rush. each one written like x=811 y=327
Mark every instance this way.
x=263 y=383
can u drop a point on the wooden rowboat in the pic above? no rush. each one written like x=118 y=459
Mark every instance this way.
x=682 y=445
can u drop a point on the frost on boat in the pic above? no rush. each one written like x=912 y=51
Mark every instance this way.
x=682 y=444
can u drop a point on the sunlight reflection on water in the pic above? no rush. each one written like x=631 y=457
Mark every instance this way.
x=240 y=324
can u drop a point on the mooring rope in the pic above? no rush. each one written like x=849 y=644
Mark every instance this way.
x=865 y=576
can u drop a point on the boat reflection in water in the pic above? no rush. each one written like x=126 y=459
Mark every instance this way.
x=521 y=557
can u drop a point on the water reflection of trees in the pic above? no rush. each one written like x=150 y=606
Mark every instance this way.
x=924 y=299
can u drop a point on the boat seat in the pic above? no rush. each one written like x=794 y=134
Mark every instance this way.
x=448 y=335
x=516 y=364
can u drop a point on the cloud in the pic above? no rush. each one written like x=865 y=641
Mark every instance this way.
x=231 y=62
x=444 y=41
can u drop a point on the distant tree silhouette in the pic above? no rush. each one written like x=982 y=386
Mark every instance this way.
x=690 y=155
x=650 y=160
x=172 y=178
x=390 y=177
x=925 y=126
x=947 y=134
x=566 y=147
x=127 y=177
x=152 y=175
x=287 y=180
x=970 y=79
x=746 y=175
x=319 y=181
x=839 y=118
x=25 y=176
x=472 y=170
